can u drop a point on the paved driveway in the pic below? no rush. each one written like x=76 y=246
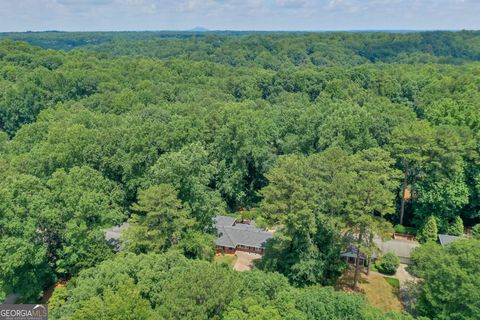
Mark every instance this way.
x=245 y=260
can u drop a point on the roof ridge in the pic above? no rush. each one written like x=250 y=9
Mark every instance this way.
x=229 y=238
x=252 y=229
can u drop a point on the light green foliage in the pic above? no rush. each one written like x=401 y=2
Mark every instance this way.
x=388 y=264
x=143 y=270
x=456 y=228
x=372 y=199
x=476 y=231
x=307 y=251
x=450 y=280
x=54 y=226
x=244 y=149
x=350 y=127
x=126 y=303
x=74 y=136
x=405 y=230
x=433 y=160
x=312 y=195
x=23 y=255
x=190 y=171
x=429 y=231
x=159 y=222
x=325 y=303
x=292 y=125
x=410 y=144
x=82 y=203
x=3 y=140
x=169 y=286
x=59 y=298
x=198 y=291
x=442 y=189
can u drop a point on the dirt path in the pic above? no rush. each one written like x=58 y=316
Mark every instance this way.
x=245 y=260
x=403 y=276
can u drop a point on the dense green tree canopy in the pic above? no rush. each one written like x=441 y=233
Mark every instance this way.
x=451 y=275
x=54 y=226
x=321 y=134
x=169 y=286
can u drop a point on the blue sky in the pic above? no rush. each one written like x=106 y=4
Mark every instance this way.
x=86 y=15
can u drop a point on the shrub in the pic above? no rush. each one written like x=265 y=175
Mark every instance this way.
x=429 y=230
x=405 y=230
x=388 y=264
x=476 y=231
x=456 y=228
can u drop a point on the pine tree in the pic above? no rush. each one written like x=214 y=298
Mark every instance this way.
x=456 y=228
x=429 y=231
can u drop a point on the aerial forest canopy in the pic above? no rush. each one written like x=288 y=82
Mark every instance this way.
x=317 y=132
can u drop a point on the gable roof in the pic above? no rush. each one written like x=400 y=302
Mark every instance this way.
x=224 y=221
x=446 y=239
x=231 y=234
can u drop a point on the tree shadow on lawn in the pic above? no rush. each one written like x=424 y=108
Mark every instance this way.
x=378 y=291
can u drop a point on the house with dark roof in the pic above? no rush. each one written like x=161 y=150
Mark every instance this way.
x=245 y=236
x=401 y=248
x=232 y=236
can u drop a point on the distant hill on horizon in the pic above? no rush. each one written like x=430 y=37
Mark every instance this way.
x=199 y=29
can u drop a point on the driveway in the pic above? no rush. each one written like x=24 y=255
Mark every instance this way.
x=403 y=276
x=245 y=260
x=11 y=298
x=406 y=279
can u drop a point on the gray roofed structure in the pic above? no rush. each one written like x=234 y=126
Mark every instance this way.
x=113 y=233
x=232 y=234
x=446 y=239
x=401 y=248
x=223 y=221
x=351 y=252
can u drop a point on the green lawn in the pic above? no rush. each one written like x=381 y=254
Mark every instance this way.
x=380 y=292
x=228 y=259
x=393 y=282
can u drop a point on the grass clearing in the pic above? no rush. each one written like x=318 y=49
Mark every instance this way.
x=378 y=290
x=229 y=259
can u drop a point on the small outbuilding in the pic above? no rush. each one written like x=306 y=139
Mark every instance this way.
x=445 y=239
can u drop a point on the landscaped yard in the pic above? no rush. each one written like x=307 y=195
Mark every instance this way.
x=229 y=259
x=382 y=292
x=394 y=282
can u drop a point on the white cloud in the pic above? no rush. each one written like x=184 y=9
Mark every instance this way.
x=238 y=14
x=291 y=3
